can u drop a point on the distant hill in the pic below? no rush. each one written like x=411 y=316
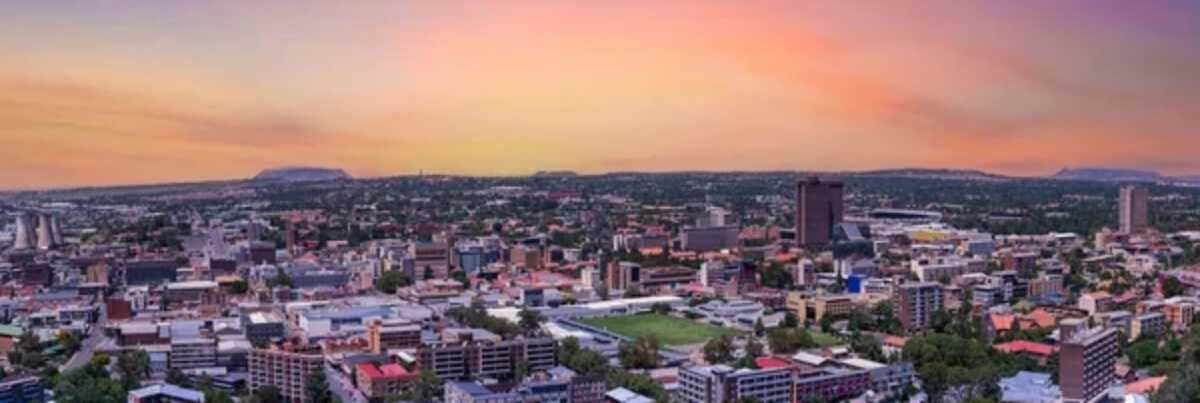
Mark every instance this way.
x=960 y=174
x=1108 y=175
x=301 y=174
x=555 y=174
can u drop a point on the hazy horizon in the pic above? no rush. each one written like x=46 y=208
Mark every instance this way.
x=94 y=94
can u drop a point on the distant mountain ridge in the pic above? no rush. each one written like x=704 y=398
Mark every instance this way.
x=301 y=174
x=1108 y=175
x=934 y=173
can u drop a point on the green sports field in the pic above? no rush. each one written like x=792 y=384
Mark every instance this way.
x=669 y=330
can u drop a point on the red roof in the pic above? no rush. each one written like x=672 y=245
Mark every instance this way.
x=394 y=370
x=1145 y=386
x=386 y=371
x=1002 y=321
x=771 y=362
x=1021 y=346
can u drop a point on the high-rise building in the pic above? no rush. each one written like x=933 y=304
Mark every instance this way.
x=818 y=209
x=1135 y=209
x=1087 y=363
x=623 y=275
x=918 y=302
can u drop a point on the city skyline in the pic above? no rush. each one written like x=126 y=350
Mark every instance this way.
x=167 y=92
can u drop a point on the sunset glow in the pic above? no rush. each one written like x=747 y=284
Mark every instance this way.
x=100 y=93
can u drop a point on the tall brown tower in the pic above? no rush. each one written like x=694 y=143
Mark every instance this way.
x=818 y=209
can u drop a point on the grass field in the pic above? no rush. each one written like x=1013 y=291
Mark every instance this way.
x=825 y=340
x=669 y=330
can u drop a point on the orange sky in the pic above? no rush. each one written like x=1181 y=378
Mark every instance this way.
x=95 y=94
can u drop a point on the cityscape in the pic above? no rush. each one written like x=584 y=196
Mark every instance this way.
x=531 y=201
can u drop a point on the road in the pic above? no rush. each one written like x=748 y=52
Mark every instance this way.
x=86 y=349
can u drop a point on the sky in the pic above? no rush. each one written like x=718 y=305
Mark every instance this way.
x=120 y=92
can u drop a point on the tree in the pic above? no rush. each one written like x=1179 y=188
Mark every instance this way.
x=462 y=277
x=790 y=320
x=520 y=370
x=239 y=287
x=642 y=353
x=1172 y=287
x=427 y=274
x=69 y=341
x=267 y=394
x=133 y=366
x=787 y=341
x=775 y=276
x=867 y=347
x=638 y=383
x=1143 y=353
x=759 y=328
x=660 y=308
x=718 y=350
x=427 y=388
x=217 y=396
x=316 y=388
x=392 y=280
x=582 y=361
x=827 y=323
x=176 y=377
x=530 y=319
x=88 y=385
x=951 y=362
x=27 y=353
x=753 y=347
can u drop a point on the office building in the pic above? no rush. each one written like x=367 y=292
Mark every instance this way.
x=264 y=326
x=526 y=256
x=917 y=303
x=388 y=334
x=148 y=272
x=623 y=275
x=831 y=384
x=708 y=239
x=668 y=277
x=818 y=208
x=262 y=252
x=192 y=353
x=432 y=255
x=1087 y=362
x=1134 y=209
x=22 y=388
x=285 y=367
x=469 y=353
x=724 y=384
x=1150 y=325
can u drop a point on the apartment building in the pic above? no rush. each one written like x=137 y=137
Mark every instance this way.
x=724 y=384
x=478 y=353
x=917 y=303
x=285 y=367
x=1087 y=362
